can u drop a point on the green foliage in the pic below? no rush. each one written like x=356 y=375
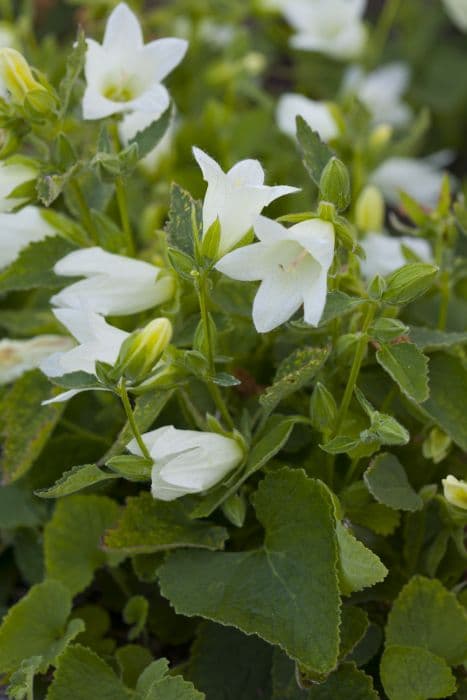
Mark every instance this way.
x=34 y=266
x=411 y=673
x=358 y=566
x=387 y=481
x=180 y=224
x=77 y=479
x=316 y=154
x=448 y=393
x=148 y=138
x=408 y=367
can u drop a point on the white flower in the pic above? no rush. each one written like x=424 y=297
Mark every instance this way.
x=384 y=253
x=114 y=284
x=13 y=173
x=18 y=356
x=457 y=11
x=187 y=461
x=455 y=491
x=123 y=74
x=292 y=265
x=317 y=115
x=236 y=198
x=138 y=121
x=18 y=230
x=332 y=27
x=419 y=178
x=381 y=92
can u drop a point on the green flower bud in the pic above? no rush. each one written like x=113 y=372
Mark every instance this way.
x=409 y=282
x=436 y=446
x=335 y=184
x=323 y=409
x=234 y=509
x=18 y=78
x=142 y=349
x=370 y=209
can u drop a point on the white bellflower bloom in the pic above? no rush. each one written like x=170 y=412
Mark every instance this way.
x=19 y=356
x=384 y=253
x=381 y=92
x=317 y=115
x=18 y=230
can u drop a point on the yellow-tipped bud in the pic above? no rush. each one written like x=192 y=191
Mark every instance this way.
x=369 y=210
x=17 y=76
x=143 y=348
x=455 y=491
x=380 y=137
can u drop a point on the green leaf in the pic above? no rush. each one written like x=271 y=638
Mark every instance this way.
x=82 y=675
x=34 y=266
x=74 y=66
x=132 y=660
x=135 y=613
x=180 y=227
x=409 y=282
x=76 y=479
x=387 y=482
x=410 y=673
x=362 y=510
x=69 y=228
x=316 y=153
x=148 y=525
x=294 y=373
x=359 y=567
x=36 y=626
x=338 y=304
x=285 y=592
x=448 y=396
x=154 y=684
x=354 y=624
x=72 y=539
x=22 y=680
x=27 y=425
x=148 y=138
x=17 y=508
x=23 y=323
x=429 y=339
x=426 y=615
x=408 y=367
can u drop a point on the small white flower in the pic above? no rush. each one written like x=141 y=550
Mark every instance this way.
x=18 y=230
x=18 y=356
x=317 y=115
x=13 y=173
x=384 y=253
x=292 y=264
x=123 y=74
x=138 y=121
x=381 y=92
x=455 y=491
x=236 y=198
x=457 y=11
x=114 y=285
x=187 y=461
x=332 y=27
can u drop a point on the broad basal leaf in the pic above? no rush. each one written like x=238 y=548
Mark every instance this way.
x=412 y=673
x=387 y=481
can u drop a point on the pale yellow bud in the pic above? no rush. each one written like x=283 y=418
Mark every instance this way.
x=143 y=348
x=380 y=137
x=369 y=210
x=16 y=75
x=455 y=491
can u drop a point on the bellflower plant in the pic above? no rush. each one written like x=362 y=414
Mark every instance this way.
x=317 y=115
x=19 y=229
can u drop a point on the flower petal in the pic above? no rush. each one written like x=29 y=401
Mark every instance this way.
x=155 y=99
x=123 y=31
x=316 y=114
x=249 y=263
x=317 y=237
x=246 y=172
x=277 y=299
x=163 y=55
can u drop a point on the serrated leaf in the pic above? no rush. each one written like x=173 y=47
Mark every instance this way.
x=76 y=479
x=148 y=525
x=387 y=482
x=408 y=367
x=179 y=227
x=429 y=339
x=132 y=659
x=354 y=624
x=36 y=626
x=358 y=566
x=69 y=229
x=410 y=673
x=34 y=266
x=27 y=424
x=362 y=510
x=72 y=539
x=316 y=153
x=148 y=138
x=22 y=680
x=173 y=688
x=74 y=66
x=286 y=591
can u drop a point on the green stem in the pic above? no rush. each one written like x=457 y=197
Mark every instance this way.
x=84 y=210
x=203 y=306
x=124 y=215
x=444 y=305
x=383 y=29
x=355 y=370
x=221 y=405
x=131 y=419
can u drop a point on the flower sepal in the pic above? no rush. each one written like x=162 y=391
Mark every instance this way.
x=131 y=467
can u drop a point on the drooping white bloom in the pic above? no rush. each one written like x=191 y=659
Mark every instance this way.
x=18 y=356
x=187 y=461
x=138 y=121
x=236 y=198
x=317 y=115
x=292 y=264
x=457 y=11
x=455 y=491
x=123 y=74
x=18 y=230
x=13 y=173
x=332 y=27
x=384 y=253
x=381 y=92
x=113 y=284
x=419 y=178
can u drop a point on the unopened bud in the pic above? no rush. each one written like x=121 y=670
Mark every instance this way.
x=369 y=210
x=234 y=509
x=17 y=77
x=455 y=491
x=335 y=184
x=142 y=349
x=380 y=137
x=323 y=409
x=436 y=446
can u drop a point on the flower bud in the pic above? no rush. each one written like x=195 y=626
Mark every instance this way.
x=323 y=409
x=140 y=352
x=455 y=491
x=369 y=210
x=380 y=137
x=17 y=77
x=234 y=509
x=436 y=446
x=335 y=184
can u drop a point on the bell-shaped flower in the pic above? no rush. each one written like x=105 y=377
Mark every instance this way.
x=97 y=341
x=18 y=356
x=381 y=92
x=457 y=11
x=292 y=264
x=384 y=253
x=16 y=78
x=455 y=491
x=125 y=75
x=332 y=27
x=13 y=173
x=236 y=198
x=318 y=115
x=134 y=122
x=187 y=461
x=18 y=230
x=113 y=285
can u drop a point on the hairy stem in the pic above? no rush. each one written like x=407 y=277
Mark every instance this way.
x=131 y=419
